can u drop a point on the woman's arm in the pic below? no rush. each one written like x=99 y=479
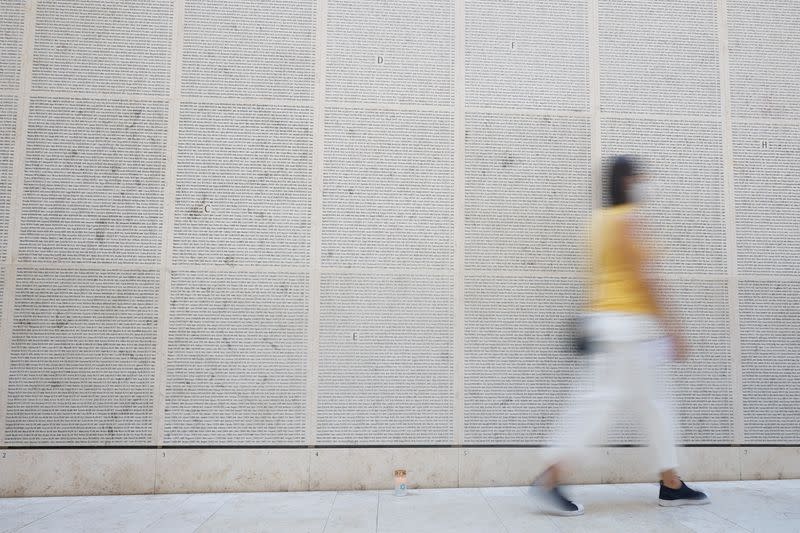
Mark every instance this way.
x=635 y=252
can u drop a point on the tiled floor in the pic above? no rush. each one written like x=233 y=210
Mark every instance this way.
x=768 y=506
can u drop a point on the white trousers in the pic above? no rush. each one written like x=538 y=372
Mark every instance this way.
x=624 y=375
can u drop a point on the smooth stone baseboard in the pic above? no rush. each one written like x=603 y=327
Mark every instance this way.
x=88 y=471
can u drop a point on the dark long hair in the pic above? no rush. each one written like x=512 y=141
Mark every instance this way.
x=618 y=173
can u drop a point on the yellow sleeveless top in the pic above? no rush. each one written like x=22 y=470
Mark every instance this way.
x=614 y=283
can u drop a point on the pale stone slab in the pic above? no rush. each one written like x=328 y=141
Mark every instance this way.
x=353 y=512
x=637 y=465
x=62 y=472
x=695 y=518
x=765 y=506
x=770 y=463
x=755 y=506
x=126 y=514
x=444 y=511
x=492 y=467
x=629 y=465
x=517 y=510
x=17 y=513
x=610 y=509
x=719 y=464
x=267 y=513
x=76 y=472
x=190 y=514
x=373 y=468
x=231 y=470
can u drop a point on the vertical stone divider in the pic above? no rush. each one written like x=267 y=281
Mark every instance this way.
x=596 y=157
x=459 y=187
x=594 y=102
x=317 y=172
x=168 y=224
x=15 y=207
x=730 y=217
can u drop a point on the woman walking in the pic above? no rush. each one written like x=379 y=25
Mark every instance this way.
x=624 y=304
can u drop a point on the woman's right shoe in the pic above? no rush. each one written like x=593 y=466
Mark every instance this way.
x=668 y=497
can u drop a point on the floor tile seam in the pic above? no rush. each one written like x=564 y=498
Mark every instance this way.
x=525 y=491
x=625 y=488
x=649 y=504
x=728 y=520
x=740 y=464
x=703 y=509
x=41 y=499
x=494 y=512
x=221 y=505
x=377 y=510
x=80 y=499
x=155 y=473
x=330 y=511
x=166 y=512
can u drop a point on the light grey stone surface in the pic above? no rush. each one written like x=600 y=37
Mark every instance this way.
x=756 y=506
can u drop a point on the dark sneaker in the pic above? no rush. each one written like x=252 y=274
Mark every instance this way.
x=668 y=497
x=553 y=501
